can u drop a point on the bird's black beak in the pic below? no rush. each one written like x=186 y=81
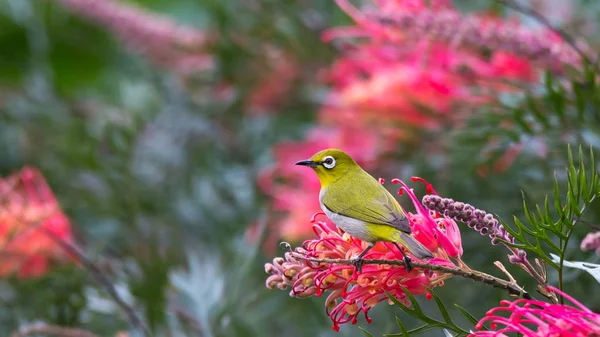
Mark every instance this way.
x=308 y=163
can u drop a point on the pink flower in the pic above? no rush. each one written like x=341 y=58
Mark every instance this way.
x=410 y=67
x=510 y=66
x=351 y=294
x=591 y=242
x=434 y=230
x=392 y=97
x=159 y=38
x=468 y=31
x=28 y=209
x=533 y=318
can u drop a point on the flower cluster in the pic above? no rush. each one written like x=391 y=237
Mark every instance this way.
x=27 y=210
x=460 y=30
x=410 y=67
x=475 y=218
x=352 y=293
x=532 y=318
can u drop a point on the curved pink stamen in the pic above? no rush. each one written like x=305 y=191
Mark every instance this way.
x=313 y=219
x=571 y=299
x=428 y=187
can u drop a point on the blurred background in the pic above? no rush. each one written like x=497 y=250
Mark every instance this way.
x=166 y=132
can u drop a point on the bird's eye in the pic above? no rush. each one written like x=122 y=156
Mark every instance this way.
x=329 y=162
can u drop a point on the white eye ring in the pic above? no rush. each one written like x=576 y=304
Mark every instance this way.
x=329 y=162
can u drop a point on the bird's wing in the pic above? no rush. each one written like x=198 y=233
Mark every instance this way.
x=366 y=200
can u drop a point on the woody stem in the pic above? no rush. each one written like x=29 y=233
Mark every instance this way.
x=511 y=287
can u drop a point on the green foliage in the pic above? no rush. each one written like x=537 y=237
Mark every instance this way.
x=64 y=303
x=547 y=114
x=549 y=228
x=415 y=310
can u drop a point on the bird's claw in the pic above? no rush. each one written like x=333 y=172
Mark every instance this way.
x=408 y=264
x=358 y=262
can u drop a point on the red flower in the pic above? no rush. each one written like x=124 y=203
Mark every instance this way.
x=351 y=293
x=28 y=208
x=533 y=318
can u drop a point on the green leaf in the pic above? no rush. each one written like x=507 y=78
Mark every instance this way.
x=580 y=101
x=440 y=305
x=368 y=334
x=466 y=314
x=518 y=117
x=403 y=331
x=430 y=323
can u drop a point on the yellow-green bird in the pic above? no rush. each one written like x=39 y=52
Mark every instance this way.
x=357 y=203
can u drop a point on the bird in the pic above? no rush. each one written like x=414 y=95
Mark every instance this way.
x=358 y=204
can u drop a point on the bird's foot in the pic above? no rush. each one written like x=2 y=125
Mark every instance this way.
x=408 y=264
x=358 y=262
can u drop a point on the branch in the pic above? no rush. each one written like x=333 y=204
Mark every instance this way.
x=512 y=287
x=101 y=279
x=46 y=329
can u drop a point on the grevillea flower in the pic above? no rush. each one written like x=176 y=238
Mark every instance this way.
x=477 y=219
x=28 y=208
x=160 y=39
x=531 y=318
x=349 y=293
x=479 y=32
x=485 y=224
x=591 y=242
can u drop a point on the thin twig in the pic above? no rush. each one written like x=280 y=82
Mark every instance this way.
x=544 y=21
x=47 y=329
x=500 y=266
x=101 y=279
x=511 y=287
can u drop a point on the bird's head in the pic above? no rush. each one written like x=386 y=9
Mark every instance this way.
x=330 y=165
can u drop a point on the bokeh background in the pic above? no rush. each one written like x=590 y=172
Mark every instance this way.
x=167 y=132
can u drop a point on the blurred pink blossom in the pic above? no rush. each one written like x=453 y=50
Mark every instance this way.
x=532 y=318
x=591 y=242
x=28 y=208
x=449 y=26
x=159 y=38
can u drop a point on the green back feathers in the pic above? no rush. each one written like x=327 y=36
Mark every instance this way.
x=358 y=195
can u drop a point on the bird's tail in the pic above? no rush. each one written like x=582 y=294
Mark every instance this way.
x=415 y=247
